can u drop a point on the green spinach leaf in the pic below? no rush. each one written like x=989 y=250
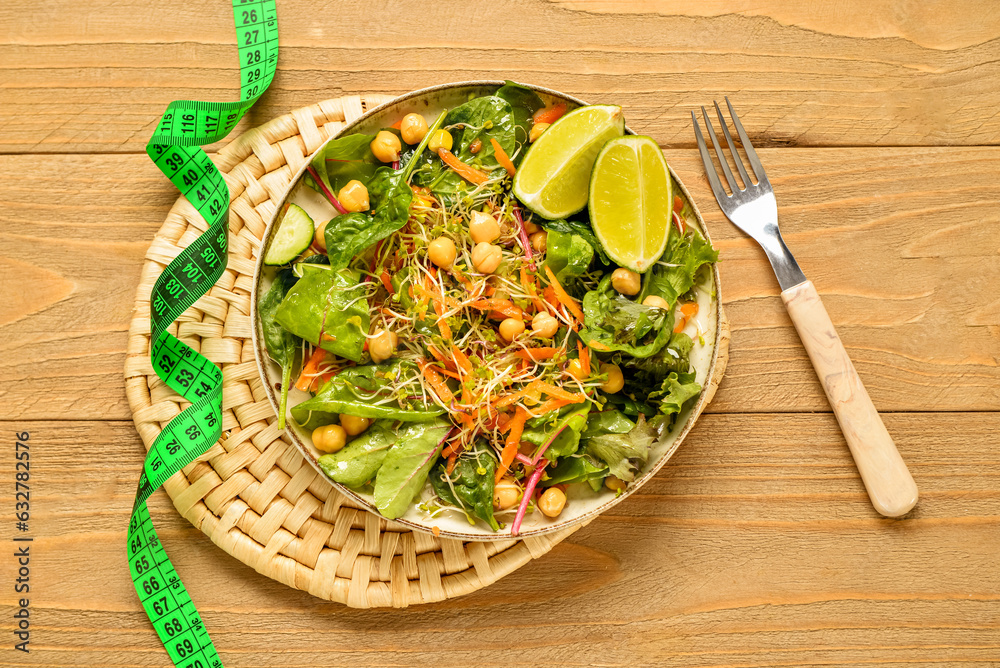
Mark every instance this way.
x=624 y=454
x=523 y=102
x=280 y=343
x=580 y=467
x=560 y=433
x=367 y=391
x=358 y=462
x=407 y=464
x=349 y=234
x=470 y=485
x=482 y=118
x=328 y=309
x=608 y=421
x=345 y=159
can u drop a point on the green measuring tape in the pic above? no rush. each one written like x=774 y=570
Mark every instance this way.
x=174 y=147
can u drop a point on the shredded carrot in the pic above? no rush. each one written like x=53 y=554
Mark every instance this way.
x=563 y=296
x=549 y=406
x=397 y=125
x=502 y=157
x=320 y=380
x=535 y=354
x=441 y=323
x=584 y=358
x=513 y=440
x=450 y=374
x=467 y=172
x=441 y=357
x=436 y=381
x=597 y=345
x=550 y=114
x=678 y=203
x=504 y=306
x=452 y=460
x=387 y=282
x=528 y=283
x=464 y=363
x=309 y=369
x=427 y=294
x=688 y=311
x=550 y=296
x=559 y=393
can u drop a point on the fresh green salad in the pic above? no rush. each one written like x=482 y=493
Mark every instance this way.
x=505 y=306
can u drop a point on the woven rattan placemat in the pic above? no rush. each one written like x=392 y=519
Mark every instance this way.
x=253 y=493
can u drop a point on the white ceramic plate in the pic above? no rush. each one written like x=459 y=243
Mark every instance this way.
x=583 y=504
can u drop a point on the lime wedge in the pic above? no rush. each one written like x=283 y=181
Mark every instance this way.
x=294 y=234
x=554 y=176
x=631 y=200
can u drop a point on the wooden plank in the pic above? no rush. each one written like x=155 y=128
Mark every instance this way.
x=901 y=243
x=756 y=545
x=919 y=74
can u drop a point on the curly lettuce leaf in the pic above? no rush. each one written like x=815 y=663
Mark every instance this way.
x=614 y=323
x=580 y=229
x=624 y=454
x=675 y=272
x=676 y=390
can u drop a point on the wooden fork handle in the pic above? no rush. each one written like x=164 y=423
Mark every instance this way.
x=888 y=481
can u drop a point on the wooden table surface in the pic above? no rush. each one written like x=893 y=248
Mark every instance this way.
x=756 y=545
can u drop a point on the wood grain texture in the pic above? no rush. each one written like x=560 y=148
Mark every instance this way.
x=889 y=483
x=888 y=72
x=756 y=545
x=901 y=243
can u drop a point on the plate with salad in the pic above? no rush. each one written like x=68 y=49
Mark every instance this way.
x=487 y=309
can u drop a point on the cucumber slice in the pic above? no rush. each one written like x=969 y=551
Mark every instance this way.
x=295 y=233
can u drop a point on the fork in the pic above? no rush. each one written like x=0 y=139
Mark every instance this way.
x=753 y=209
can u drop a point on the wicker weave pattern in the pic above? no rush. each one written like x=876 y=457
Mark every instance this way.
x=252 y=493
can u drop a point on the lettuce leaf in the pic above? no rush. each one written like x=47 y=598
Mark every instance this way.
x=624 y=454
x=676 y=390
x=614 y=323
x=684 y=255
x=407 y=465
x=567 y=254
x=578 y=228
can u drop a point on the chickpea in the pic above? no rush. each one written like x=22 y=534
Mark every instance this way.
x=483 y=227
x=442 y=252
x=486 y=257
x=626 y=281
x=575 y=369
x=353 y=424
x=615 y=484
x=319 y=238
x=354 y=196
x=413 y=127
x=531 y=228
x=441 y=139
x=386 y=147
x=552 y=501
x=615 y=381
x=656 y=302
x=536 y=131
x=329 y=438
x=382 y=346
x=544 y=326
x=511 y=328
x=538 y=241
x=505 y=494
x=476 y=146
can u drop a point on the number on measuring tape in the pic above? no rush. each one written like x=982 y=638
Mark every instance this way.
x=174 y=148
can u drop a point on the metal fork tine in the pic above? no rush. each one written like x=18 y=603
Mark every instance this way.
x=732 y=148
x=713 y=177
x=733 y=188
x=758 y=168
